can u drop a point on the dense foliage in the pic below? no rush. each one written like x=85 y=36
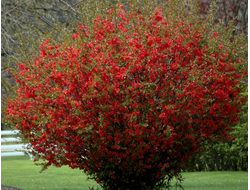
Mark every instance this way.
x=131 y=98
x=230 y=154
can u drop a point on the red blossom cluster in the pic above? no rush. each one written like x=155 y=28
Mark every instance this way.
x=129 y=101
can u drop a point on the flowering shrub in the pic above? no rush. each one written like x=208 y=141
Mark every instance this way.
x=130 y=100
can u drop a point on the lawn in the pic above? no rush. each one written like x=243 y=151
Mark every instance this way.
x=22 y=173
x=217 y=180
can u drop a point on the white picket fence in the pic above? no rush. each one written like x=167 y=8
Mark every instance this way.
x=13 y=144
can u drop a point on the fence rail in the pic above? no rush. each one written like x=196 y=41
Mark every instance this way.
x=12 y=149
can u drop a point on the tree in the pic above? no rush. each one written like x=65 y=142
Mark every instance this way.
x=129 y=97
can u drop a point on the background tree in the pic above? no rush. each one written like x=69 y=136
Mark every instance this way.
x=24 y=24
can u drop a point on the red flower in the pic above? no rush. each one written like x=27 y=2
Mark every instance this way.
x=75 y=35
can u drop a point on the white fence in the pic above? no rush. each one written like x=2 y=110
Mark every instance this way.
x=11 y=144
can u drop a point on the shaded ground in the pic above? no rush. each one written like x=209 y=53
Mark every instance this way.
x=3 y=187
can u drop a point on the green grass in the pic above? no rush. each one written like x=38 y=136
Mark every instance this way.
x=22 y=173
x=216 y=180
